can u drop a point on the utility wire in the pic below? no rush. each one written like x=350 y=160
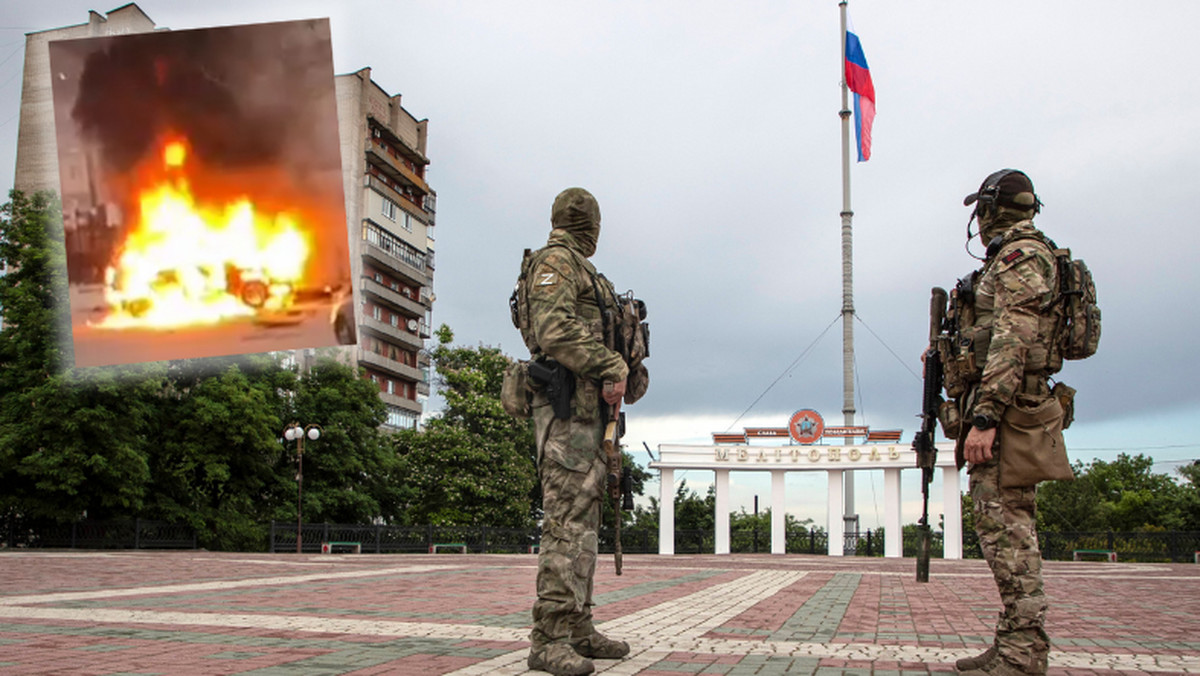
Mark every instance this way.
x=785 y=371
x=888 y=348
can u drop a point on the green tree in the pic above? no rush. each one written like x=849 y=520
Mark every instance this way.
x=217 y=467
x=351 y=473
x=72 y=442
x=225 y=468
x=1122 y=495
x=474 y=464
x=693 y=512
x=1190 y=495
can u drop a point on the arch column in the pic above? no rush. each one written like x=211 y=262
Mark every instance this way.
x=666 y=511
x=721 y=539
x=893 y=531
x=836 y=527
x=778 y=518
x=951 y=514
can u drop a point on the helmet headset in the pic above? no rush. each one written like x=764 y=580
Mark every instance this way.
x=989 y=197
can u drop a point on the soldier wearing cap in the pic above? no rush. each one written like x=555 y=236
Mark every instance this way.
x=1001 y=358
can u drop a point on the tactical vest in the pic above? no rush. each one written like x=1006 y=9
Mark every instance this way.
x=971 y=317
x=621 y=327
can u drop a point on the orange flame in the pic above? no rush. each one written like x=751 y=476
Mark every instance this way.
x=190 y=263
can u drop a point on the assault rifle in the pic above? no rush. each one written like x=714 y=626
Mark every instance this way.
x=923 y=443
x=620 y=479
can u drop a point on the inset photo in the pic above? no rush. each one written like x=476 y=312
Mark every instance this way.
x=202 y=192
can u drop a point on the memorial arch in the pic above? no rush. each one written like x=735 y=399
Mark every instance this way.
x=727 y=455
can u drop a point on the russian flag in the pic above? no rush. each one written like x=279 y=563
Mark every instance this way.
x=858 y=79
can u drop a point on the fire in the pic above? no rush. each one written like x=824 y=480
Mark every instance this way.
x=174 y=154
x=187 y=262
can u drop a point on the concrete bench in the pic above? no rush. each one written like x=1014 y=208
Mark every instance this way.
x=327 y=547
x=462 y=547
x=1109 y=554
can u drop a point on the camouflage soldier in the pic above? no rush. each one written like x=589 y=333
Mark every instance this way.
x=565 y=298
x=997 y=367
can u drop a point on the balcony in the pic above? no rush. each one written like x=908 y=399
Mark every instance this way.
x=400 y=402
x=387 y=257
x=394 y=333
x=395 y=167
x=394 y=297
x=390 y=366
x=400 y=199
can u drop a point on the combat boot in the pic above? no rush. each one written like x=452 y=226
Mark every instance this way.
x=1000 y=667
x=597 y=645
x=978 y=661
x=559 y=659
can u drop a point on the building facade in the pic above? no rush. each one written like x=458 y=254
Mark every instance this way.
x=389 y=207
x=390 y=216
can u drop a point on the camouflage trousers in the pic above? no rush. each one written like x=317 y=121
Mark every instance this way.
x=571 y=495
x=1005 y=520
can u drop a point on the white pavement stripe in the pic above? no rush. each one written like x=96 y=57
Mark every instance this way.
x=322 y=624
x=684 y=619
x=216 y=586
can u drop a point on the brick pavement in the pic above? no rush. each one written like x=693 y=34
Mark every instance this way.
x=201 y=613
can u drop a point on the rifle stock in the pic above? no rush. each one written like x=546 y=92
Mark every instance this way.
x=923 y=443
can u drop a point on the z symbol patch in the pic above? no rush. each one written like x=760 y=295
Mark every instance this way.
x=546 y=278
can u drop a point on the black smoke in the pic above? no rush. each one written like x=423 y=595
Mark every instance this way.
x=232 y=92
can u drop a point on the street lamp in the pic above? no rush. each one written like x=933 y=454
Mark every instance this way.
x=295 y=432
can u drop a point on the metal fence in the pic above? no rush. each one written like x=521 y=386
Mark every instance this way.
x=1165 y=546
x=117 y=534
x=382 y=539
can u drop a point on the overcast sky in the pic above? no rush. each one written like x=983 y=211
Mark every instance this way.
x=709 y=133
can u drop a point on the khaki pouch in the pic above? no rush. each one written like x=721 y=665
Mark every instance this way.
x=1066 y=398
x=636 y=384
x=949 y=418
x=515 y=394
x=1031 y=442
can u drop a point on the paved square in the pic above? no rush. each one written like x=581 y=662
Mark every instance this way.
x=200 y=613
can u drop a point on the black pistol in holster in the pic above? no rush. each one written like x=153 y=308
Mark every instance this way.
x=923 y=443
x=620 y=478
x=559 y=383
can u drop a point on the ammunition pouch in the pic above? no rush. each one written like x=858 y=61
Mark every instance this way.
x=1065 y=394
x=516 y=395
x=950 y=418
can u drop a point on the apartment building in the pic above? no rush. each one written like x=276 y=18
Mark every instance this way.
x=390 y=213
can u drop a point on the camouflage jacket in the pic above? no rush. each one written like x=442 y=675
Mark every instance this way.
x=1014 y=316
x=564 y=319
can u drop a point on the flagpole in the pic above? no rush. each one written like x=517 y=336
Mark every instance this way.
x=847 y=274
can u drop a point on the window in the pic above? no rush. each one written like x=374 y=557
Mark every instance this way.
x=391 y=386
x=379 y=278
x=407 y=222
x=389 y=209
x=395 y=320
x=398 y=417
x=377 y=313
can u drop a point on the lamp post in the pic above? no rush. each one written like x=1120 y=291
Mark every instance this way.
x=295 y=432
